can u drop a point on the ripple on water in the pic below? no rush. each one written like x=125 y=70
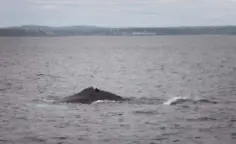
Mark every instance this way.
x=146 y=112
x=49 y=106
x=202 y=119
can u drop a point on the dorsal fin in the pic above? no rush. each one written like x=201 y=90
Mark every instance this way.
x=97 y=90
x=88 y=89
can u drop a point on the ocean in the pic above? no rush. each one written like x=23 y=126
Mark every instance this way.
x=183 y=89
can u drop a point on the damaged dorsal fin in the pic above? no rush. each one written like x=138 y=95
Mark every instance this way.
x=96 y=90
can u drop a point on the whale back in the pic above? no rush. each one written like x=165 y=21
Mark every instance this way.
x=90 y=95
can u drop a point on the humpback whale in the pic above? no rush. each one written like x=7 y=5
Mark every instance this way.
x=90 y=95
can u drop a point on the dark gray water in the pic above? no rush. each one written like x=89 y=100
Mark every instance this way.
x=183 y=90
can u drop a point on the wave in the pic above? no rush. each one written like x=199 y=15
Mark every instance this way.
x=129 y=100
x=176 y=100
x=104 y=101
x=180 y=100
x=141 y=101
x=144 y=100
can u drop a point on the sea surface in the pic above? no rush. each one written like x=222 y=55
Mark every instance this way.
x=183 y=90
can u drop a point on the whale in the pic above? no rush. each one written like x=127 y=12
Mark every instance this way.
x=90 y=95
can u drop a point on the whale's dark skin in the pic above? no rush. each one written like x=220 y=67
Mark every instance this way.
x=90 y=95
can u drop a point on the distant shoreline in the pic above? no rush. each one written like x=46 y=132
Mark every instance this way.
x=167 y=35
x=45 y=31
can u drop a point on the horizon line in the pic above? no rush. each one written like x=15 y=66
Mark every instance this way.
x=182 y=26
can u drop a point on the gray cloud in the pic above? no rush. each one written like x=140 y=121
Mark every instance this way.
x=118 y=12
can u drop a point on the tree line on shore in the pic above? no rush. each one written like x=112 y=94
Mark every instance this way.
x=34 y=30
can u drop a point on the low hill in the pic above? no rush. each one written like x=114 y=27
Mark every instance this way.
x=34 y=30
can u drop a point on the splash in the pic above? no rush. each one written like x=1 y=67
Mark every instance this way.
x=104 y=101
x=176 y=100
x=180 y=100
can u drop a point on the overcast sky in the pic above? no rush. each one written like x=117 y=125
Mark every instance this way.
x=118 y=13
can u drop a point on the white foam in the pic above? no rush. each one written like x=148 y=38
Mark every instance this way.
x=103 y=101
x=48 y=106
x=48 y=100
x=175 y=100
